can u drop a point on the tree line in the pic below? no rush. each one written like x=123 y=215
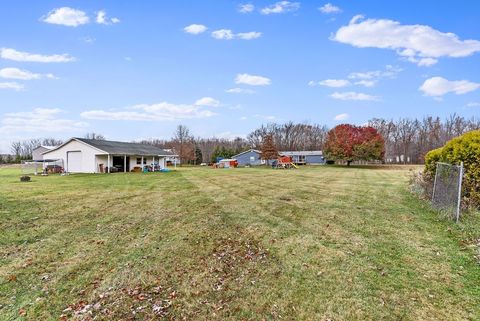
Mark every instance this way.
x=407 y=140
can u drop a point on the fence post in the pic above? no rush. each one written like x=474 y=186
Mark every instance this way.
x=434 y=182
x=459 y=192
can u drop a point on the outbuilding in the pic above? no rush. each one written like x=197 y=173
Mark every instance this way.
x=81 y=155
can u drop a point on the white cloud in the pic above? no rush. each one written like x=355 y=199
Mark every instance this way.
x=66 y=16
x=195 y=29
x=343 y=116
x=329 y=8
x=12 y=54
x=365 y=79
x=439 y=86
x=389 y=72
x=227 y=34
x=366 y=83
x=246 y=8
x=11 y=85
x=104 y=20
x=223 y=34
x=334 y=83
x=163 y=111
x=351 y=95
x=419 y=44
x=207 y=101
x=39 y=120
x=473 y=104
x=238 y=90
x=15 y=73
x=252 y=80
x=281 y=7
x=248 y=35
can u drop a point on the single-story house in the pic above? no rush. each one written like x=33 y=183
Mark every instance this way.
x=81 y=155
x=314 y=157
x=254 y=157
x=37 y=153
x=249 y=157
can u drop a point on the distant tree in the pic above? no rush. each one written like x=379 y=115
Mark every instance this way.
x=269 y=151
x=349 y=143
x=198 y=156
x=183 y=144
x=94 y=136
x=222 y=152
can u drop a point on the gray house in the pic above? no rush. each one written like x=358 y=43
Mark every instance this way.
x=249 y=157
x=254 y=157
x=314 y=157
x=37 y=153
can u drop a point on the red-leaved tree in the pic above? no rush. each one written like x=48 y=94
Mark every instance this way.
x=349 y=143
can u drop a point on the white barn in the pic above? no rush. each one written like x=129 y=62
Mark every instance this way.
x=81 y=155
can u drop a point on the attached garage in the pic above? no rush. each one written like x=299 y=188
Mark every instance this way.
x=74 y=162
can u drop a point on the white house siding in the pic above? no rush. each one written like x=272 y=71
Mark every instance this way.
x=89 y=164
x=103 y=159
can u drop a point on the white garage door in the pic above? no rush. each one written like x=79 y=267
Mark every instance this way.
x=74 y=160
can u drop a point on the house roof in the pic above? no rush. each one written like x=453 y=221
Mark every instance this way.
x=287 y=153
x=302 y=153
x=121 y=148
x=247 y=151
x=45 y=147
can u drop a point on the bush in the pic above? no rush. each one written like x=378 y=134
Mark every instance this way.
x=466 y=149
x=25 y=178
x=431 y=160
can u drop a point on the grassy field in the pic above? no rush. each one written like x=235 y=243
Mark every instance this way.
x=245 y=244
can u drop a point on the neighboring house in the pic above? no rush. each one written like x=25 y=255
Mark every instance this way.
x=249 y=157
x=37 y=153
x=172 y=160
x=306 y=157
x=254 y=157
x=82 y=155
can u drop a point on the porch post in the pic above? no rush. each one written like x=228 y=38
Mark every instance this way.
x=153 y=164
x=124 y=163
x=142 y=164
x=108 y=163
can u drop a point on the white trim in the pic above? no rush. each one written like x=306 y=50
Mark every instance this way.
x=78 y=140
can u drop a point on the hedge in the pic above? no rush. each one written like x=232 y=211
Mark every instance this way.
x=466 y=149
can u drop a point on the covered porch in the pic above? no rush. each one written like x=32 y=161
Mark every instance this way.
x=118 y=163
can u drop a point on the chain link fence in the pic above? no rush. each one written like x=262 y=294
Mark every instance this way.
x=447 y=189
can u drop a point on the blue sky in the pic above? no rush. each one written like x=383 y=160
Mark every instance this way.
x=133 y=71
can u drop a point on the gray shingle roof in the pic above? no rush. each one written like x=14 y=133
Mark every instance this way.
x=122 y=148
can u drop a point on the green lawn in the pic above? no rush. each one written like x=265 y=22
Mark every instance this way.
x=241 y=244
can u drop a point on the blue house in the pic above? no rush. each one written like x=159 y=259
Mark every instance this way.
x=308 y=157
x=249 y=157
x=253 y=157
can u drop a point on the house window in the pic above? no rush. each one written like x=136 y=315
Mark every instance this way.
x=300 y=158
x=139 y=161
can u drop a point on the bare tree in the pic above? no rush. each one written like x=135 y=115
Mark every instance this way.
x=95 y=136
